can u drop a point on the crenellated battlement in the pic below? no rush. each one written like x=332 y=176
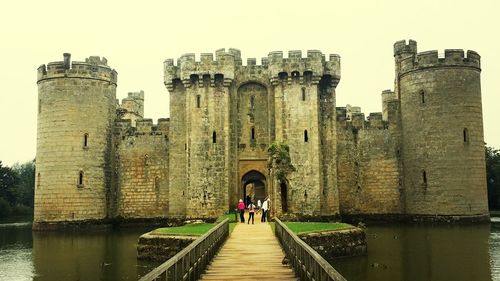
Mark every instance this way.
x=188 y=70
x=350 y=117
x=313 y=66
x=187 y=66
x=402 y=48
x=93 y=68
x=142 y=127
x=409 y=60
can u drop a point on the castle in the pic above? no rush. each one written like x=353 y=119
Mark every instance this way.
x=421 y=157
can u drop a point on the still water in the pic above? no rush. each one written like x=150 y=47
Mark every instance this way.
x=396 y=252
x=97 y=255
x=424 y=252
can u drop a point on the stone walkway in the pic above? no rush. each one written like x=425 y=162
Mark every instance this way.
x=251 y=252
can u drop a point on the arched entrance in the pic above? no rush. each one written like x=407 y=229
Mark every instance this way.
x=254 y=187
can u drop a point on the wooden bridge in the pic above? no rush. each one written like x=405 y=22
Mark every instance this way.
x=252 y=252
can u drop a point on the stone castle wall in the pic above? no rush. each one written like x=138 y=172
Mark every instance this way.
x=75 y=123
x=142 y=170
x=423 y=155
x=207 y=126
x=442 y=131
x=369 y=173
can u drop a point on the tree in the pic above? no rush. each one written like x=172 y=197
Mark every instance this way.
x=279 y=160
x=25 y=188
x=493 y=176
x=8 y=182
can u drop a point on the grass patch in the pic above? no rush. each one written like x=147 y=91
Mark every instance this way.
x=230 y=216
x=197 y=229
x=185 y=230
x=308 y=227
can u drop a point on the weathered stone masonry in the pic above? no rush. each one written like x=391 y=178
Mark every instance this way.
x=422 y=156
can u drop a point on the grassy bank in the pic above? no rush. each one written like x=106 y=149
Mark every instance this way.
x=196 y=229
x=309 y=227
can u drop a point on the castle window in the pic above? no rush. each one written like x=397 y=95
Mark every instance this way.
x=295 y=75
x=219 y=80
x=146 y=160
x=194 y=79
x=252 y=102
x=306 y=137
x=307 y=76
x=85 y=140
x=253 y=133
x=466 y=135
x=283 y=76
x=214 y=137
x=157 y=184
x=39 y=106
x=80 y=179
x=198 y=101
x=38 y=180
x=303 y=94
x=422 y=96
x=424 y=177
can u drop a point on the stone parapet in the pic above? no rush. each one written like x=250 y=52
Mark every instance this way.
x=310 y=68
x=93 y=68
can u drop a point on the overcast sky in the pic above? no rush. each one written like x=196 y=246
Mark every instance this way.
x=137 y=38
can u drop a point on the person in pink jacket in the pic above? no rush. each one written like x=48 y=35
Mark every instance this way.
x=241 y=209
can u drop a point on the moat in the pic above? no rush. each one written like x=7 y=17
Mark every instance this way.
x=395 y=252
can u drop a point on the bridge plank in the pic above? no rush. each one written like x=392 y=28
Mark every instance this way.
x=252 y=252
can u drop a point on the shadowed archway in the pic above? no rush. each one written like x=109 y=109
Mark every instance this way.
x=254 y=187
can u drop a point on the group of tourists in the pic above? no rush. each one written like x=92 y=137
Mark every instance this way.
x=262 y=207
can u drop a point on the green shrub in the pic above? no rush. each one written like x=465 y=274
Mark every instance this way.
x=5 y=209
x=20 y=209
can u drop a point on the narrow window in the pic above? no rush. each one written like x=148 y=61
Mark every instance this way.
x=38 y=180
x=198 y=101
x=466 y=135
x=284 y=197
x=80 y=179
x=253 y=133
x=422 y=96
x=303 y=94
x=424 y=177
x=86 y=140
x=252 y=102
x=39 y=106
x=214 y=137
x=146 y=160
x=306 y=137
x=157 y=184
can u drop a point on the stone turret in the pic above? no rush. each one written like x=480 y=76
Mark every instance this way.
x=76 y=112
x=442 y=132
x=132 y=107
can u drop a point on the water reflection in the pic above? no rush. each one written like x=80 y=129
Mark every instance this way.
x=406 y=252
x=495 y=249
x=395 y=252
x=103 y=255
x=15 y=251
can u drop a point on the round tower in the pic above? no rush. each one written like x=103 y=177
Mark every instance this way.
x=76 y=112
x=442 y=132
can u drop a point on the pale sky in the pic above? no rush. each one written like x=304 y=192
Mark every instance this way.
x=136 y=39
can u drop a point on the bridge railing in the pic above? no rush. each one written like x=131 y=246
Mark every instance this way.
x=307 y=263
x=190 y=262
